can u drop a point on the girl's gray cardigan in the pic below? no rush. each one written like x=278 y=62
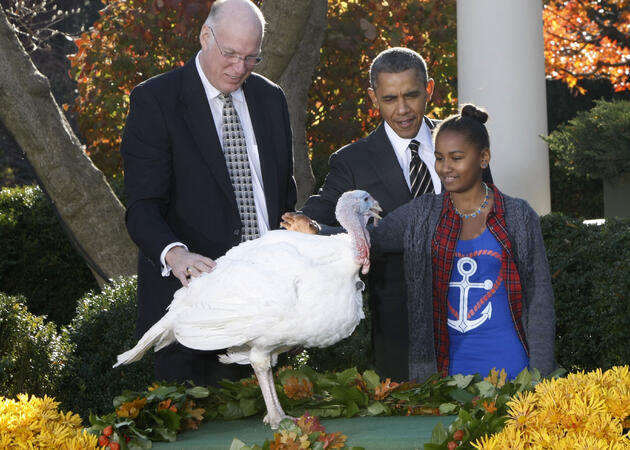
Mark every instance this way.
x=410 y=229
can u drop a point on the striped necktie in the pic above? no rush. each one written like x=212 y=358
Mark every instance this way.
x=235 y=152
x=419 y=175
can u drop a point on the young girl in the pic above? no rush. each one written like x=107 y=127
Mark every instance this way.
x=485 y=300
x=477 y=275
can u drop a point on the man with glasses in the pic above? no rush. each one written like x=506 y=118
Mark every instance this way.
x=207 y=154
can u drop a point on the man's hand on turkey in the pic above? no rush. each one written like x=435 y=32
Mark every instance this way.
x=185 y=264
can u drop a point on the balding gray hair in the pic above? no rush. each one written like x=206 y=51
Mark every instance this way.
x=217 y=7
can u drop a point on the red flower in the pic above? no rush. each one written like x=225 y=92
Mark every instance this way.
x=458 y=435
x=452 y=445
x=103 y=441
x=114 y=446
x=108 y=430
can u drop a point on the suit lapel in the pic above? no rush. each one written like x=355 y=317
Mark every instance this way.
x=431 y=123
x=266 y=154
x=387 y=168
x=199 y=119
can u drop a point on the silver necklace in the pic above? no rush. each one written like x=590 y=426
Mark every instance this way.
x=478 y=211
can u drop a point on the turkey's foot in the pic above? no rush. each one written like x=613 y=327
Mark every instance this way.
x=275 y=422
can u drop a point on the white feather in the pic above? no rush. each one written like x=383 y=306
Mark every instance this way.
x=268 y=295
x=282 y=290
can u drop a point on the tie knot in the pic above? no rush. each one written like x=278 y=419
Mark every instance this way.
x=413 y=146
x=225 y=98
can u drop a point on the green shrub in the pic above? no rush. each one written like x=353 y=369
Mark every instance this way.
x=103 y=327
x=572 y=194
x=38 y=261
x=590 y=267
x=32 y=353
x=596 y=142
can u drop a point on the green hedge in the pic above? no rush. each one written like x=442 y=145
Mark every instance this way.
x=74 y=365
x=595 y=143
x=32 y=354
x=103 y=327
x=572 y=194
x=38 y=261
x=590 y=267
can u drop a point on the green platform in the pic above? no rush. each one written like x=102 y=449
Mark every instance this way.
x=372 y=433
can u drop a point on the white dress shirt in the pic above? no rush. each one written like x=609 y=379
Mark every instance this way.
x=425 y=151
x=240 y=104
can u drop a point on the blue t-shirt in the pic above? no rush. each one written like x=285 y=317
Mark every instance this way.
x=481 y=330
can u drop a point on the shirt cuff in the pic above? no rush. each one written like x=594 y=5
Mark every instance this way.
x=166 y=269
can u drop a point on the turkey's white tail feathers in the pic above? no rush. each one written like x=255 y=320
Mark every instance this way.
x=157 y=335
x=222 y=326
x=236 y=355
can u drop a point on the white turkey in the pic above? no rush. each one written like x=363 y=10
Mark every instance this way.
x=271 y=294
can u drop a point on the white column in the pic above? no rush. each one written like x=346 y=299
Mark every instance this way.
x=501 y=67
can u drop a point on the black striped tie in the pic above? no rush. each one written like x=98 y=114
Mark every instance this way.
x=419 y=175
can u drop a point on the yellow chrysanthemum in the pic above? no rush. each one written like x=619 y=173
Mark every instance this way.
x=35 y=423
x=521 y=409
x=486 y=443
x=581 y=411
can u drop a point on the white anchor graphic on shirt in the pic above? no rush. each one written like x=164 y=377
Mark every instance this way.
x=462 y=323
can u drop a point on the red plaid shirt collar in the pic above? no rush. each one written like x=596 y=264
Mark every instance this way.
x=443 y=250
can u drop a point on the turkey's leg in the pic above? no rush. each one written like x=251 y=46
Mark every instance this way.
x=274 y=395
x=275 y=414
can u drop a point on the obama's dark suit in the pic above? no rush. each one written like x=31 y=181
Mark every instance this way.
x=370 y=164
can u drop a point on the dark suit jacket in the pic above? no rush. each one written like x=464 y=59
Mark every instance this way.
x=176 y=180
x=370 y=164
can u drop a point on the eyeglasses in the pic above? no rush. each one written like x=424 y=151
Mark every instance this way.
x=250 y=61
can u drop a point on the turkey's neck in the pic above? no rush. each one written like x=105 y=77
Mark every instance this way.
x=355 y=226
x=356 y=230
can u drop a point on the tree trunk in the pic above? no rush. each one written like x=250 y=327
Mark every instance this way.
x=85 y=202
x=87 y=207
x=293 y=37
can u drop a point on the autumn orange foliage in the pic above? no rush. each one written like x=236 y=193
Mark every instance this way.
x=588 y=39
x=339 y=109
x=387 y=387
x=132 y=41
x=136 y=39
x=298 y=389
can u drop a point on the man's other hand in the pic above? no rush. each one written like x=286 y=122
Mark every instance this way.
x=185 y=264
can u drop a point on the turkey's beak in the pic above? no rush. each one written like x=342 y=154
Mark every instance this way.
x=374 y=212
